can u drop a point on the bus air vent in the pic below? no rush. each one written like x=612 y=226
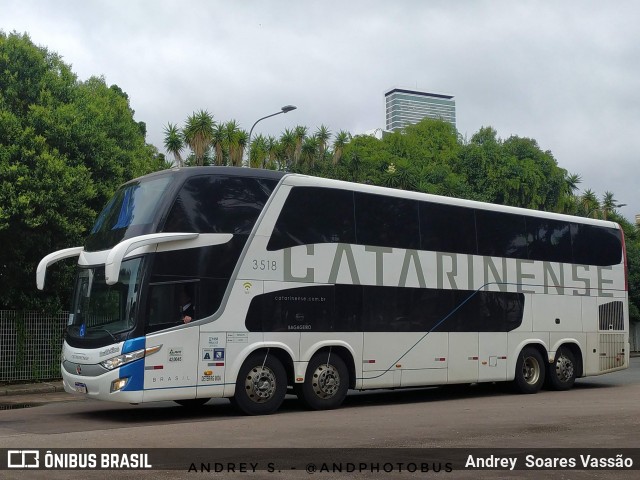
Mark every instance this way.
x=611 y=316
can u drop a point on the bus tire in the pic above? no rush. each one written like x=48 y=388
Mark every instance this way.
x=530 y=371
x=326 y=382
x=562 y=372
x=261 y=385
x=192 y=402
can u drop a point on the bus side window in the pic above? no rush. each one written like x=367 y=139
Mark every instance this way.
x=166 y=304
x=314 y=215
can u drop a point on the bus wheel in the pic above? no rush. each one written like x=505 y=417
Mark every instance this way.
x=326 y=382
x=261 y=385
x=529 y=371
x=562 y=372
x=192 y=402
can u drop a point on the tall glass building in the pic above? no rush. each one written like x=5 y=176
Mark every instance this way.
x=405 y=107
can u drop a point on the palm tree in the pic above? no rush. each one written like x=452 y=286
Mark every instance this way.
x=571 y=181
x=174 y=142
x=198 y=132
x=271 y=147
x=257 y=152
x=300 y=133
x=218 y=140
x=231 y=131
x=342 y=138
x=323 y=135
x=309 y=150
x=589 y=204
x=241 y=139
x=288 y=145
x=609 y=204
x=568 y=201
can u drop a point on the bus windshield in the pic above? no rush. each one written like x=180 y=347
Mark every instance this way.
x=100 y=312
x=130 y=212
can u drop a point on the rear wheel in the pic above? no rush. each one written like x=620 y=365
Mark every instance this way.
x=261 y=385
x=530 y=371
x=562 y=372
x=326 y=382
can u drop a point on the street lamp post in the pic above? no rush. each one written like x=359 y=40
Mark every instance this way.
x=285 y=109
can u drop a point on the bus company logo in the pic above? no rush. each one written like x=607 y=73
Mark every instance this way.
x=23 y=459
x=175 y=354
x=109 y=351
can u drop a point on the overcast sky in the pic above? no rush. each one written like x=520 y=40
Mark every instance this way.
x=564 y=73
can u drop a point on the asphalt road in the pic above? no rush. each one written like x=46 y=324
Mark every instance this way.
x=598 y=412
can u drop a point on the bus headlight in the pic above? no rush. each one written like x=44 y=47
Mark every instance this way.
x=123 y=359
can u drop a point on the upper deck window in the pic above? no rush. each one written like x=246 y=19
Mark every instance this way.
x=314 y=215
x=218 y=204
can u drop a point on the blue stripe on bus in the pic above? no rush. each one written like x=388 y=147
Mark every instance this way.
x=135 y=372
x=133 y=344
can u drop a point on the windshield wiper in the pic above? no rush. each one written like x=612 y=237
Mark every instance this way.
x=105 y=330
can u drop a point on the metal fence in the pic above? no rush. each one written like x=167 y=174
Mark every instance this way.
x=30 y=345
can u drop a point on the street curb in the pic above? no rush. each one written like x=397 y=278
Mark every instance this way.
x=31 y=388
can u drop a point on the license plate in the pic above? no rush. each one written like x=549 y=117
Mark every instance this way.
x=80 y=387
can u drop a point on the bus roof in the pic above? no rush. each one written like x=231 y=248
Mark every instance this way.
x=186 y=172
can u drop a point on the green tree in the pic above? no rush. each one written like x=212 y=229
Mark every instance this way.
x=64 y=147
x=198 y=134
x=300 y=134
x=609 y=205
x=589 y=205
x=310 y=150
x=231 y=130
x=218 y=140
x=258 y=152
x=174 y=142
x=271 y=147
x=287 y=147
x=341 y=140
x=240 y=144
x=323 y=135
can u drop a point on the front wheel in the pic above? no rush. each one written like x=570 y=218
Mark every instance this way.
x=261 y=385
x=562 y=372
x=326 y=382
x=530 y=371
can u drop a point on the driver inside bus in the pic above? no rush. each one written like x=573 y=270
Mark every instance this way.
x=186 y=306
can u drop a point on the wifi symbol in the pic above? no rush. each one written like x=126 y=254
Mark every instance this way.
x=247 y=286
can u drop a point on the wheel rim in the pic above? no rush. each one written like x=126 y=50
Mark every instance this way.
x=531 y=370
x=260 y=384
x=326 y=381
x=564 y=369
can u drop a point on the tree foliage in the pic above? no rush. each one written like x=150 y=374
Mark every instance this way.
x=64 y=147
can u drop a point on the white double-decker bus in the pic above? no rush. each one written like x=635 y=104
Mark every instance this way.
x=320 y=286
